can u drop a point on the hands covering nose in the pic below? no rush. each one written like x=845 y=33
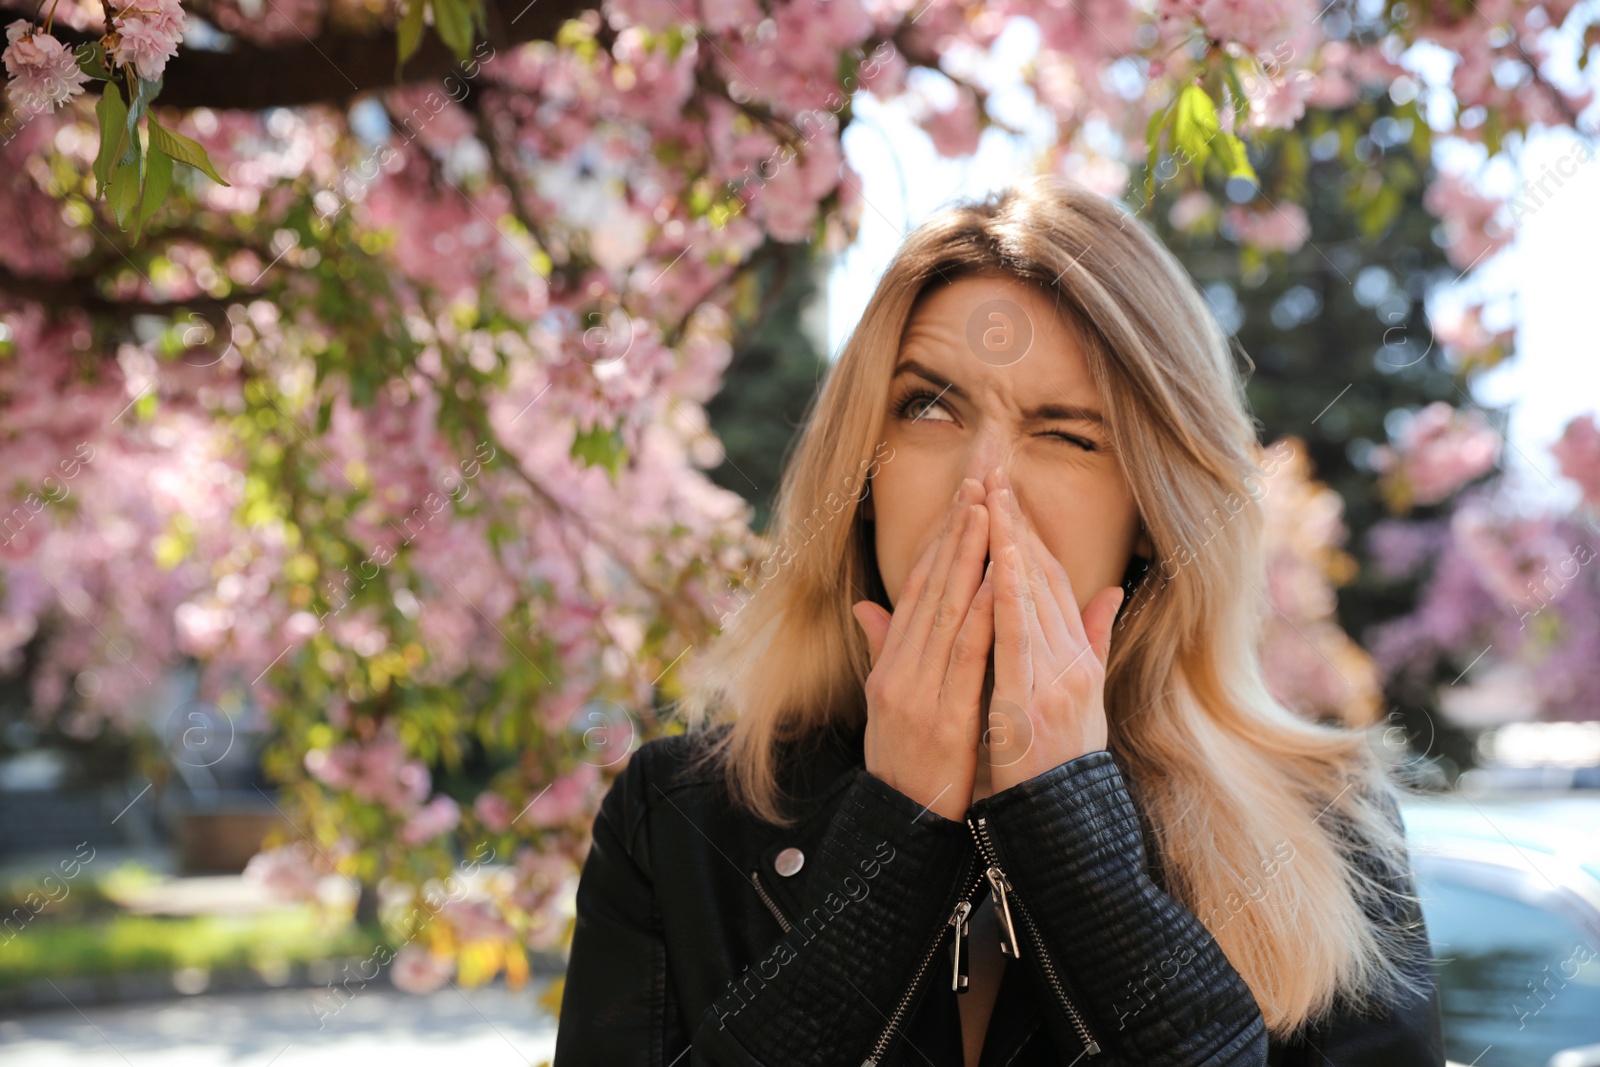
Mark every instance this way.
x=929 y=658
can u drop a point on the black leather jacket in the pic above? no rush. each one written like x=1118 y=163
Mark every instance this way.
x=693 y=948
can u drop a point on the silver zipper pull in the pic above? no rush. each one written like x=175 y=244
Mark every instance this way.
x=958 y=959
x=1009 y=945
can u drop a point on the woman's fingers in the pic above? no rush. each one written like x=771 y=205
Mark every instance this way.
x=1015 y=627
x=874 y=623
x=933 y=608
x=911 y=591
x=1048 y=581
x=961 y=585
x=969 y=654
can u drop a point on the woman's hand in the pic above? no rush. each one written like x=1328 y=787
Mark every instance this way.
x=928 y=663
x=1048 y=705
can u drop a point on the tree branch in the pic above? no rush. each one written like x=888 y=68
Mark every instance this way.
x=342 y=63
x=78 y=291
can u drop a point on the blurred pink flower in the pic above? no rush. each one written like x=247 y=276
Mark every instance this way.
x=440 y=815
x=476 y=920
x=494 y=811
x=44 y=73
x=1278 y=103
x=1578 y=453
x=1252 y=23
x=376 y=771
x=1189 y=208
x=1511 y=552
x=1470 y=226
x=955 y=132
x=416 y=970
x=1463 y=331
x=291 y=871
x=1399 y=547
x=566 y=798
x=1441 y=450
x=1283 y=228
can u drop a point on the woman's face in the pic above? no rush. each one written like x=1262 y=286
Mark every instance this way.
x=988 y=375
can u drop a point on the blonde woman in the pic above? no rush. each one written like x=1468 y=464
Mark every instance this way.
x=982 y=770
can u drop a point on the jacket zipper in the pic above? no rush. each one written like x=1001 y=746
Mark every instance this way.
x=772 y=905
x=957 y=920
x=1005 y=897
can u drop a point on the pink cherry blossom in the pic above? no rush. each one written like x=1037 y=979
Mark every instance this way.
x=44 y=73
x=291 y=871
x=494 y=811
x=375 y=771
x=147 y=35
x=417 y=970
x=955 y=130
x=1282 y=227
x=438 y=816
x=565 y=798
x=1578 y=453
x=1441 y=450
x=1470 y=219
x=588 y=279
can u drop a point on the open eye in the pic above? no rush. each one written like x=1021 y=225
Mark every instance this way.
x=919 y=404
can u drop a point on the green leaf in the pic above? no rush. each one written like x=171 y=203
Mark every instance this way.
x=1233 y=157
x=182 y=149
x=113 y=115
x=1152 y=148
x=600 y=446
x=1241 y=102
x=453 y=21
x=410 y=34
x=142 y=93
x=123 y=192
x=92 y=60
x=1195 y=124
x=157 y=182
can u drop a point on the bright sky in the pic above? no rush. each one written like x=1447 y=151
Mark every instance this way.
x=1551 y=269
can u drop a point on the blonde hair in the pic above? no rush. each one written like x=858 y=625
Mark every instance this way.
x=1228 y=777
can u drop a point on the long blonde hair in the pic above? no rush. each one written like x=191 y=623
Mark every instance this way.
x=1239 y=790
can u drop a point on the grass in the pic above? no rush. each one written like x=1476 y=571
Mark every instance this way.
x=131 y=943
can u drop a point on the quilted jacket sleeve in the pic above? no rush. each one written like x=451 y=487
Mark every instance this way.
x=830 y=986
x=1147 y=978
x=615 y=1007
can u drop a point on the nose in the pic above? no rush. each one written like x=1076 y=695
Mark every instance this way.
x=989 y=450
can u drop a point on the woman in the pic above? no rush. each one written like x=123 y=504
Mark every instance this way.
x=954 y=794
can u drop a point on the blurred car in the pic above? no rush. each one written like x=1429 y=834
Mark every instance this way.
x=1510 y=889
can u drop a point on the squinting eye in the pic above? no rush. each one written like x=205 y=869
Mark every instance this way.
x=1087 y=446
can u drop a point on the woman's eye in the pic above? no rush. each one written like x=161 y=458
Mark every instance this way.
x=920 y=405
x=1087 y=446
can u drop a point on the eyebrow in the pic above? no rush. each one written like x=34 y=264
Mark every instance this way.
x=1064 y=412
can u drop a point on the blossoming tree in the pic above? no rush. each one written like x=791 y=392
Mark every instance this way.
x=387 y=407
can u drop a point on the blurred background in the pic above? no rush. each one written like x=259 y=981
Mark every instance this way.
x=393 y=395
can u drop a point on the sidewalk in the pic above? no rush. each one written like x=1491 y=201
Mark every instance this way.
x=487 y=1027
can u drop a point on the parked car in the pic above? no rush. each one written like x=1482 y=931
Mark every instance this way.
x=1510 y=889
